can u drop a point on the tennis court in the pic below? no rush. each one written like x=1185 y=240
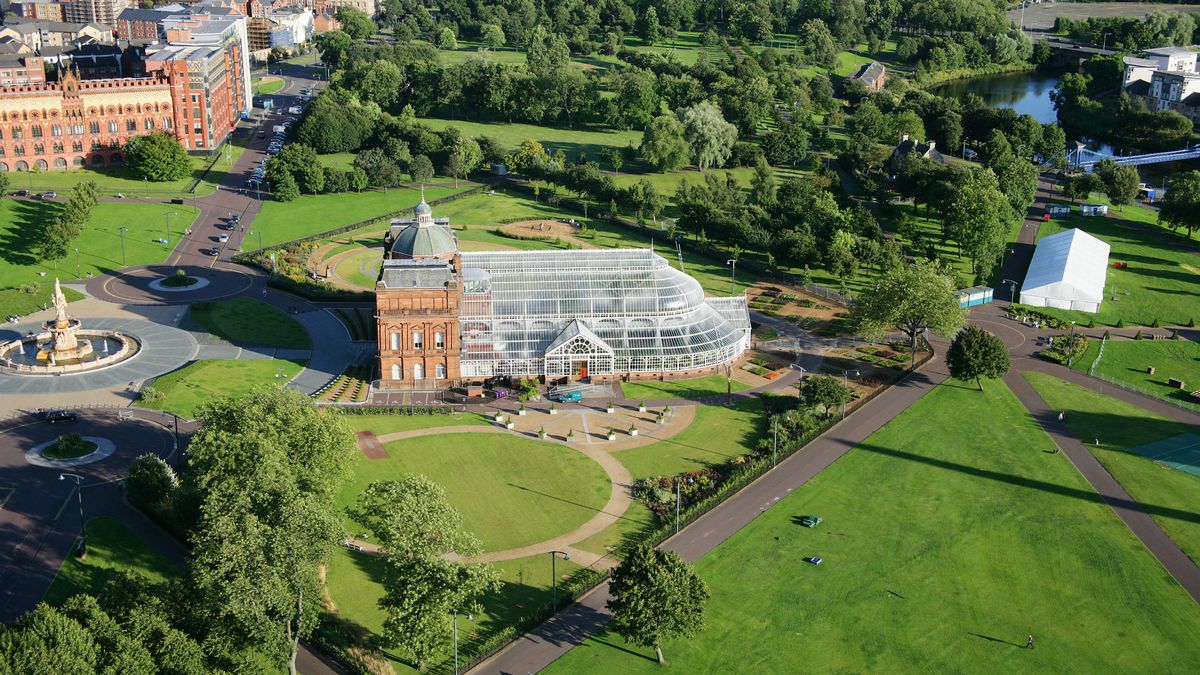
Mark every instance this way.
x=1180 y=452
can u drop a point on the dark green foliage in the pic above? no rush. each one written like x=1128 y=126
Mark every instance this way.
x=151 y=483
x=656 y=596
x=157 y=156
x=976 y=354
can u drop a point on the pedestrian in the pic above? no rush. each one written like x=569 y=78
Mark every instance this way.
x=1062 y=416
x=1029 y=643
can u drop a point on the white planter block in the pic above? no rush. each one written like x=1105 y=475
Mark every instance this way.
x=612 y=437
x=633 y=432
x=553 y=411
x=510 y=425
x=610 y=410
x=641 y=408
x=522 y=412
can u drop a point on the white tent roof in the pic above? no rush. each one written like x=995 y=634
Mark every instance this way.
x=1070 y=265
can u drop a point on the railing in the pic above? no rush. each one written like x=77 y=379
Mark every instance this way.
x=1100 y=355
x=1185 y=405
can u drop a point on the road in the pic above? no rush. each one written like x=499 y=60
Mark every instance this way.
x=1040 y=17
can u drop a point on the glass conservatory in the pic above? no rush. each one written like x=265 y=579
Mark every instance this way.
x=591 y=313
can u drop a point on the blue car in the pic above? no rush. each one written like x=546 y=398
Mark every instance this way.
x=569 y=397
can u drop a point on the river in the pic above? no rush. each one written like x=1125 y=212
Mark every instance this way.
x=1028 y=93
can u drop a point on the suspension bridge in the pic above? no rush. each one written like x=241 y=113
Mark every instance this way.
x=1086 y=159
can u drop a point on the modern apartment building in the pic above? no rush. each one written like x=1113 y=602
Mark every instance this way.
x=1165 y=79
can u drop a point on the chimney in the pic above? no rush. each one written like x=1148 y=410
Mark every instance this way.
x=932 y=145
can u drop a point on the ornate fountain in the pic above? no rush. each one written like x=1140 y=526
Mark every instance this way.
x=65 y=346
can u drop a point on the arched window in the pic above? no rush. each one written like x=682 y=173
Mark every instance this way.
x=396 y=375
x=41 y=165
x=60 y=163
x=395 y=337
x=440 y=371
x=78 y=161
x=22 y=166
x=3 y=167
x=418 y=372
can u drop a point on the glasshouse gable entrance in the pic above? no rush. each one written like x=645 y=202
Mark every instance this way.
x=577 y=353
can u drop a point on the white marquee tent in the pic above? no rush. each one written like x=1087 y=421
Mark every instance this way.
x=1067 y=272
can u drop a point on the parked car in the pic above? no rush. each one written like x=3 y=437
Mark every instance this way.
x=568 y=397
x=22 y=193
x=49 y=195
x=56 y=416
x=215 y=251
x=223 y=238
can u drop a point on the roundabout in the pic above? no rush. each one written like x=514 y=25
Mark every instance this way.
x=146 y=285
x=103 y=448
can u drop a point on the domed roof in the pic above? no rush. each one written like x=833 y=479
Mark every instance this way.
x=423 y=208
x=415 y=241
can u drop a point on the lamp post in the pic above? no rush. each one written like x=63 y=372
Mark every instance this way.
x=79 y=493
x=167 y=224
x=145 y=187
x=470 y=617
x=732 y=262
x=554 y=578
x=775 y=445
x=77 y=262
x=1012 y=289
x=1104 y=42
x=123 y=231
x=846 y=383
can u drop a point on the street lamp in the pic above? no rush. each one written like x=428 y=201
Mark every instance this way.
x=732 y=262
x=1104 y=42
x=846 y=383
x=77 y=262
x=123 y=231
x=469 y=618
x=167 y=222
x=1012 y=289
x=554 y=578
x=79 y=493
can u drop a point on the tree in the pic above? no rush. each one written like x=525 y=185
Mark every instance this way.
x=614 y=157
x=1081 y=185
x=421 y=169
x=709 y=135
x=4 y=184
x=491 y=36
x=151 y=482
x=818 y=43
x=355 y=22
x=762 y=183
x=825 y=391
x=55 y=240
x=266 y=469
x=912 y=298
x=46 y=636
x=286 y=189
x=645 y=199
x=978 y=217
x=157 y=156
x=664 y=145
x=446 y=39
x=787 y=146
x=421 y=593
x=1181 y=206
x=656 y=596
x=412 y=517
x=976 y=353
x=647 y=26
x=1017 y=179
x=547 y=52
x=1123 y=188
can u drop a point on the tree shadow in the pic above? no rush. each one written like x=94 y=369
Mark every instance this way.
x=989 y=638
x=18 y=244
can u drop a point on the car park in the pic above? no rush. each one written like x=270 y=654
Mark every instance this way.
x=56 y=416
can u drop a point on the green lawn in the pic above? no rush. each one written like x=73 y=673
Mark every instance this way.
x=118 y=179
x=284 y=221
x=361 y=268
x=582 y=138
x=512 y=491
x=354 y=581
x=251 y=321
x=1160 y=282
x=950 y=535
x=717 y=435
x=267 y=85
x=23 y=220
x=112 y=549
x=186 y=389
x=698 y=387
x=1119 y=426
x=1125 y=361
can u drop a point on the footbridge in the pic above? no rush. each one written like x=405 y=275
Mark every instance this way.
x=1086 y=159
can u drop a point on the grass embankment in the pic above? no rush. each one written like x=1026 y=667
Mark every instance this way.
x=950 y=535
x=250 y=321
x=699 y=387
x=309 y=214
x=112 y=549
x=716 y=436
x=1169 y=495
x=186 y=389
x=1127 y=362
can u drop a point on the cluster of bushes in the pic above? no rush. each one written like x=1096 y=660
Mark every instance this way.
x=659 y=493
x=1156 y=29
x=1065 y=349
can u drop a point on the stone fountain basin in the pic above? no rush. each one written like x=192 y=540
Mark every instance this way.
x=129 y=347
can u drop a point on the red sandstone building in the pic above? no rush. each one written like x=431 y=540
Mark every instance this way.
x=76 y=123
